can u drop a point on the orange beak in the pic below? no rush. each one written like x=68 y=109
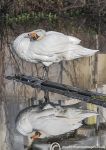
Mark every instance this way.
x=33 y=35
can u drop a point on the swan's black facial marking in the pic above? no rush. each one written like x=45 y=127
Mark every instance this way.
x=38 y=133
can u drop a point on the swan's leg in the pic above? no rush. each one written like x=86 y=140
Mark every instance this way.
x=45 y=77
x=46 y=96
x=45 y=73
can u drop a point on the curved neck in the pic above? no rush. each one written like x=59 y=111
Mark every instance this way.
x=21 y=44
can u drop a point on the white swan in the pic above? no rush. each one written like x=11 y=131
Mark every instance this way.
x=50 y=121
x=49 y=47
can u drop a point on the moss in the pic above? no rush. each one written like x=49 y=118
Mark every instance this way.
x=69 y=18
x=25 y=17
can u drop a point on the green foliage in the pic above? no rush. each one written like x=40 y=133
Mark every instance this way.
x=25 y=17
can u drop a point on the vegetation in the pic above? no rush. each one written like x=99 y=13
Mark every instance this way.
x=24 y=17
x=22 y=11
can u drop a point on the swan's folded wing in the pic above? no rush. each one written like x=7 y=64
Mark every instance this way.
x=58 y=45
x=74 y=40
x=71 y=39
x=53 y=43
x=49 y=45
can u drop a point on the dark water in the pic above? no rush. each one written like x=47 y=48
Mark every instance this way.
x=85 y=73
x=96 y=142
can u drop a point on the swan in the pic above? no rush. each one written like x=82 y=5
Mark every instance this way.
x=49 y=121
x=39 y=46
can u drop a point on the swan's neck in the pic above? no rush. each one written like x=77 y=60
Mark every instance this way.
x=21 y=45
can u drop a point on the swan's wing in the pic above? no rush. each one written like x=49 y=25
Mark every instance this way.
x=49 y=45
x=53 y=43
x=60 y=46
x=72 y=39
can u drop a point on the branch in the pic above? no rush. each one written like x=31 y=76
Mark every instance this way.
x=69 y=91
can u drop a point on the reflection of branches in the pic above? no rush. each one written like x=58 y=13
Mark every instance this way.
x=76 y=82
x=68 y=73
x=10 y=47
x=60 y=77
x=36 y=69
x=11 y=52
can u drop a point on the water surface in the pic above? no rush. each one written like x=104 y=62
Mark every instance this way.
x=88 y=73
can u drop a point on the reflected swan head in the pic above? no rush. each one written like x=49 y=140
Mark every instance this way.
x=34 y=136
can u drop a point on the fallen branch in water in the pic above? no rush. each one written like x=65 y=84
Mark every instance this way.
x=69 y=91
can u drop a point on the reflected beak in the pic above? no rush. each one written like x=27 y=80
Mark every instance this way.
x=35 y=137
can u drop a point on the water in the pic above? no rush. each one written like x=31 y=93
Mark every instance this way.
x=87 y=73
x=97 y=142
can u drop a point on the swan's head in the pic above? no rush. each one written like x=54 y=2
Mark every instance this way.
x=36 y=34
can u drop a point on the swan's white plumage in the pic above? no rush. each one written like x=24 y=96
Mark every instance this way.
x=51 y=47
x=51 y=121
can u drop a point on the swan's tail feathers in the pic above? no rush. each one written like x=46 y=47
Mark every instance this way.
x=77 y=115
x=79 y=52
x=88 y=52
x=84 y=52
x=86 y=115
x=75 y=126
